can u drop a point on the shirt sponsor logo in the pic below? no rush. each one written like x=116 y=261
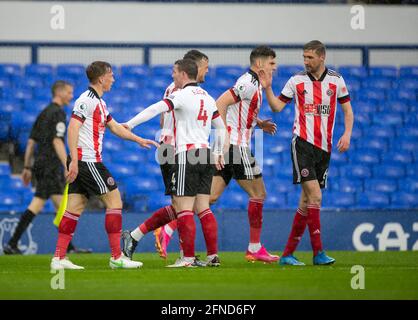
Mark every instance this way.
x=317 y=109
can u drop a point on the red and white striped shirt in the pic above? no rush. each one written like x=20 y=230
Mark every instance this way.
x=92 y=112
x=315 y=105
x=241 y=117
x=167 y=131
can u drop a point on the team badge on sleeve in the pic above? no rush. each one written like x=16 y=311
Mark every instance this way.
x=60 y=129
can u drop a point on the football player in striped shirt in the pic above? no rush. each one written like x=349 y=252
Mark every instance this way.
x=87 y=175
x=316 y=91
x=195 y=112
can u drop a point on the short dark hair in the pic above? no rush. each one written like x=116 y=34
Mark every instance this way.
x=261 y=52
x=316 y=46
x=189 y=66
x=195 y=55
x=58 y=85
x=97 y=69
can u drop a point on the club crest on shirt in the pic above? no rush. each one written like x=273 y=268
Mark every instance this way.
x=110 y=181
x=330 y=92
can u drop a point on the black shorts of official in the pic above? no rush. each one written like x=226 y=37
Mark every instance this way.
x=166 y=159
x=192 y=174
x=309 y=162
x=240 y=164
x=48 y=182
x=93 y=179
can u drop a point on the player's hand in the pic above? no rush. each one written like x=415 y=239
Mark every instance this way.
x=266 y=78
x=72 y=171
x=268 y=126
x=344 y=143
x=146 y=143
x=26 y=176
x=125 y=125
x=219 y=161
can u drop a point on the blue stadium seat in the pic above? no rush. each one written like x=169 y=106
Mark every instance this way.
x=21 y=94
x=412 y=170
x=281 y=145
x=404 y=200
x=283 y=185
x=334 y=199
x=408 y=71
x=388 y=118
x=155 y=203
x=4 y=129
x=140 y=71
x=130 y=83
x=112 y=146
x=377 y=83
x=373 y=95
x=410 y=185
x=364 y=119
x=10 y=69
x=39 y=69
x=381 y=131
x=22 y=140
x=164 y=70
x=159 y=83
x=140 y=185
x=353 y=84
x=411 y=119
x=381 y=185
x=22 y=121
x=408 y=95
x=33 y=82
x=34 y=106
x=380 y=144
x=283 y=172
x=395 y=106
x=72 y=70
x=372 y=199
x=365 y=106
x=394 y=171
x=339 y=159
x=287 y=71
x=5 y=82
x=383 y=71
x=356 y=171
x=365 y=156
x=275 y=201
x=121 y=96
x=10 y=199
x=229 y=71
x=9 y=107
x=347 y=185
x=353 y=71
x=404 y=157
x=406 y=143
x=233 y=200
x=5 y=169
x=409 y=84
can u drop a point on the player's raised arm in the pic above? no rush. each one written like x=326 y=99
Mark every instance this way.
x=276 y=103
x=119 y=130
x=344 y=142
x=150 y=112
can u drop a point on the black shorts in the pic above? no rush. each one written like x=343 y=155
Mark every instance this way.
x=166 y=160
x=93 y=179
x=309 y=162
x=48 y=182
x=192 y=174
x=240 y=164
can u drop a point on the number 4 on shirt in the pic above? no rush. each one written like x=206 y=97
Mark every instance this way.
x=203 y=116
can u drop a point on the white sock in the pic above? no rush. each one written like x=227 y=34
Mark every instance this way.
x=254 y=247
x=168 y=230
x=137 y=234
x=181 y=254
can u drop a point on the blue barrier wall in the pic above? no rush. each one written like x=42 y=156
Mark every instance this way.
x=343 y=230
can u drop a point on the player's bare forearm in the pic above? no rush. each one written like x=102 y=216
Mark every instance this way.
x=222 y=103
x=59 y=148
x=348 y=118
x=276 y=105
x=72 y=138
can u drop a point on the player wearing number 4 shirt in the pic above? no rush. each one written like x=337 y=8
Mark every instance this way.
x=316 y=92
x=87 y=175
x=195 y=112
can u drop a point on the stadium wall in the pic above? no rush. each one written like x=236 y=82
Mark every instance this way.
x=341 y=230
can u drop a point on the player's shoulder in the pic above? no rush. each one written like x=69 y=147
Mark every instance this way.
x=170 y=89
x=249 y=78
x=87 y=98
x=333 y=73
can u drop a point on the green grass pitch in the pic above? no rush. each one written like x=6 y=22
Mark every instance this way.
x=388 y=275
